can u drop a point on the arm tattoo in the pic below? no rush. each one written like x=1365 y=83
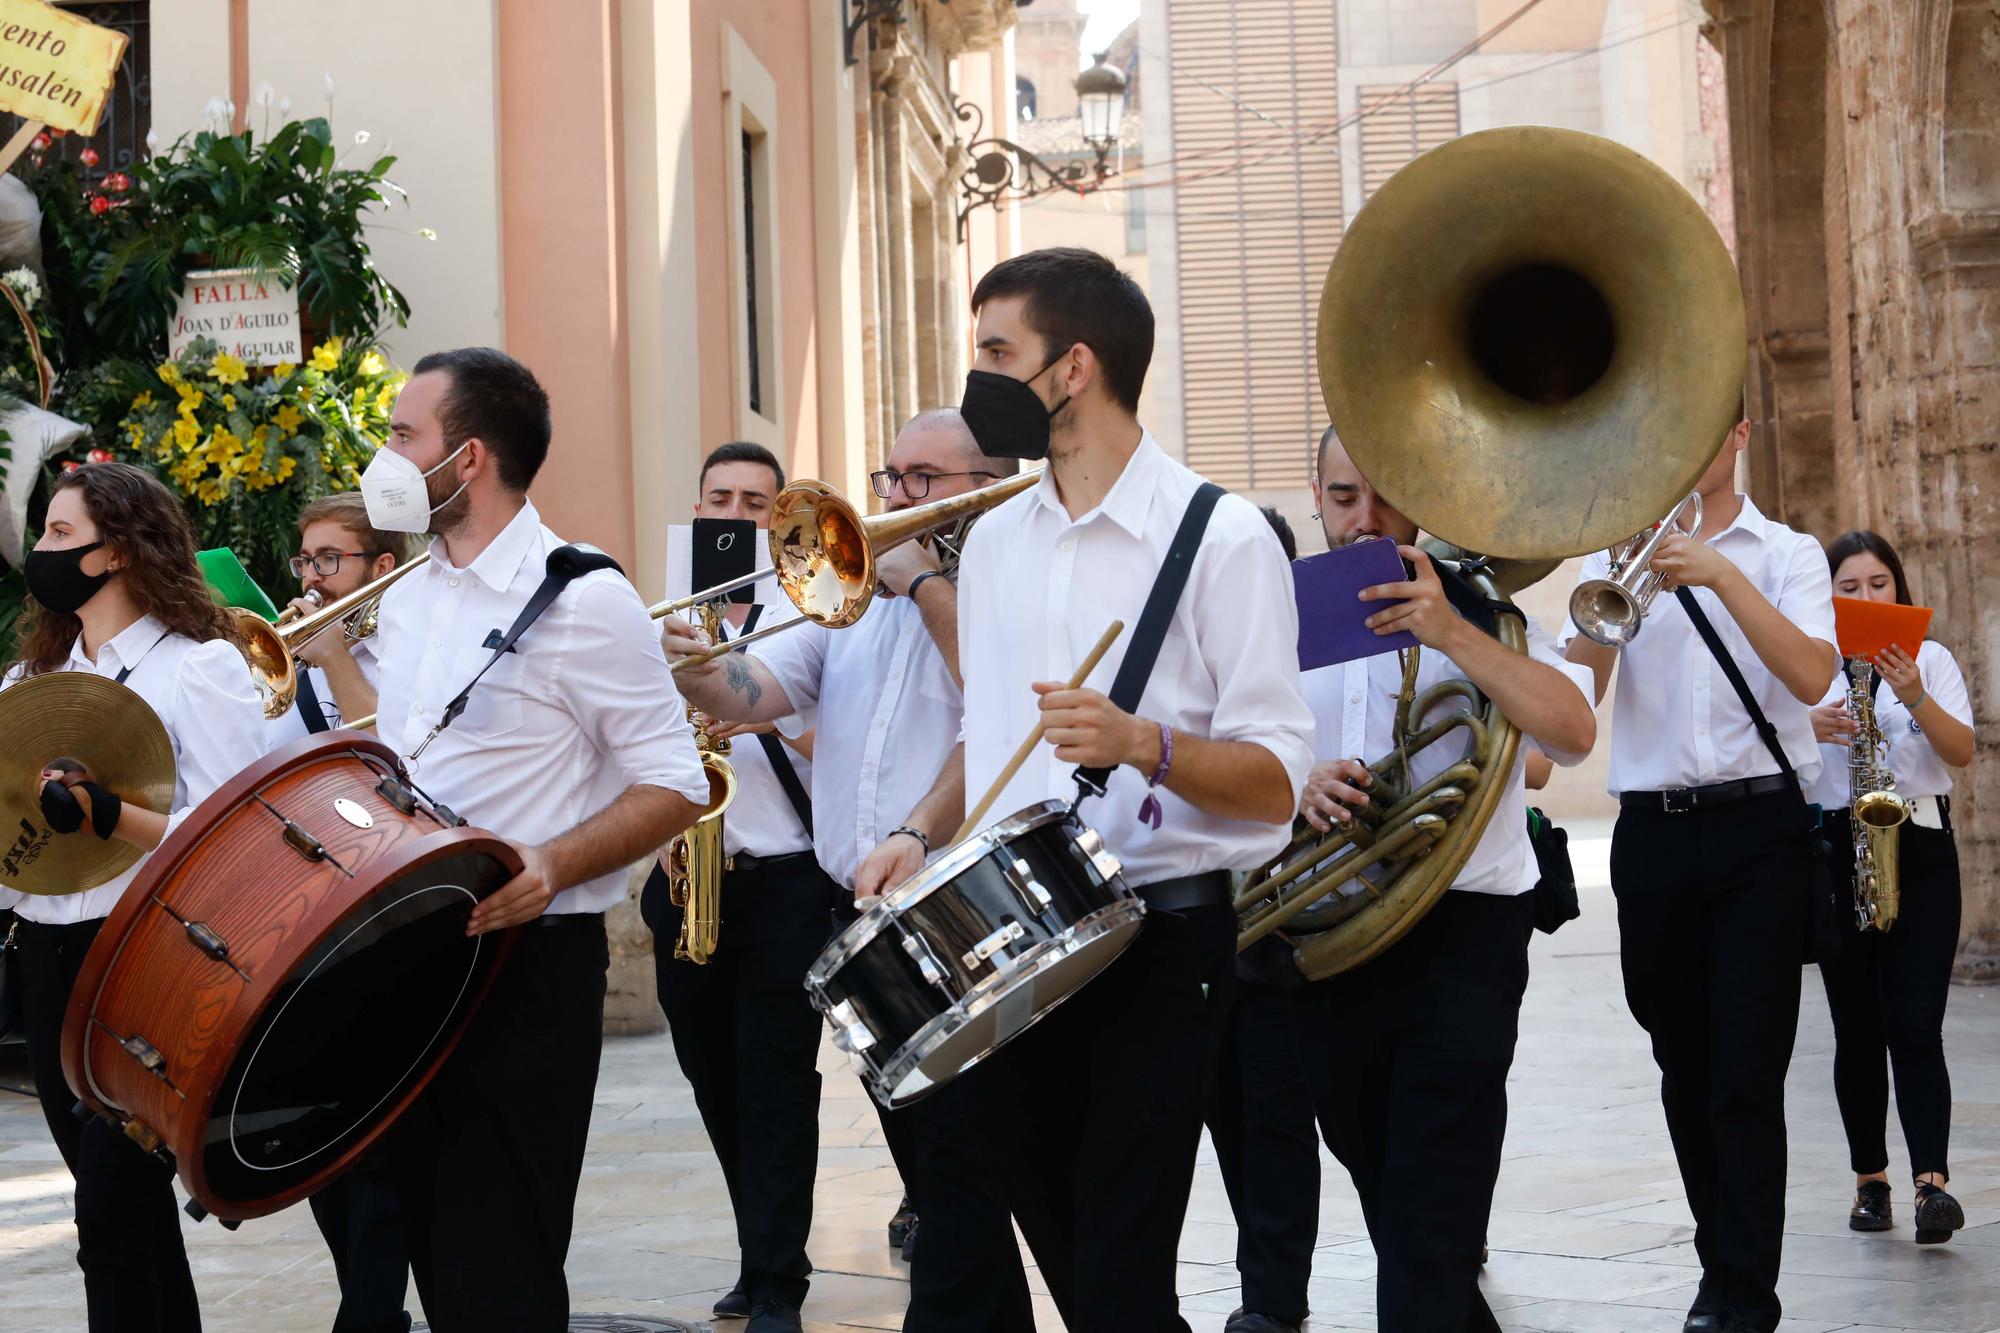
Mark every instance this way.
x=741 y=679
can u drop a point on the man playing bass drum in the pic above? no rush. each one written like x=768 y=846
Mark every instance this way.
x=1711 y=943
x=1408 y=1054
x=576 y=747
x=1097 y=1109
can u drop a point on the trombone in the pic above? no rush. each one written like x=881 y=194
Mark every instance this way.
x=272 y=650
x=823 y=552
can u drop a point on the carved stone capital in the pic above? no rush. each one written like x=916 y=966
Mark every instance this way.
x=1961 y=244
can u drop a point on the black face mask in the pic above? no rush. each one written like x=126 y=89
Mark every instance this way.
x=1006 y=416
x=56 y=579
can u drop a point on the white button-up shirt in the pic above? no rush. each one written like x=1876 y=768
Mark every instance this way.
x=1676 y=722
x=204 y=697
x=886 y=713
x=292 y=725
x=1037 y=589
x=1919 y=771
x=1354 y=704
x=581 y=709
x=761 y=820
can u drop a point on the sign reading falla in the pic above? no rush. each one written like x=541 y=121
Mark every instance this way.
x=55 y=69
x=250 y=314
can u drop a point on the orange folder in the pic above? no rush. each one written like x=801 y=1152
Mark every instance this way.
x=1866 y=628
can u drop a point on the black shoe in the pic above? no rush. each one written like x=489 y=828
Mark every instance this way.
x=900 y=1224
x=1245 y=1321
x=910 y=1241
x=1938 y=1215
x=1702 y=1321
x=1871 y=1207
x=773 y=1317
x=736 y=1305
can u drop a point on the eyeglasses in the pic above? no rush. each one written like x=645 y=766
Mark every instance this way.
x=916 y=485
x=326 y=564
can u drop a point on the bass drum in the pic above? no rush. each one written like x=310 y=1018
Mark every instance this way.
x=286 y=974
x=967 y=953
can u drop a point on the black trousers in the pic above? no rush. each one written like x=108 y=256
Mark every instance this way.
x=747 y=1038
x=1712 y=918
x=1887 y=993
x=967 y=1275
x=1096 y=1112
x=358 y=1216
x=1260 y=1115
x=128 y=1221
x=486 y=1162
x=1408 y=1058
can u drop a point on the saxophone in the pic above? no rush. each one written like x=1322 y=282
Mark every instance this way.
x=1878 y=812
x=695 y=859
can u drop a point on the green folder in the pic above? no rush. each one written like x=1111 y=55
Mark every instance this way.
x=231 y=585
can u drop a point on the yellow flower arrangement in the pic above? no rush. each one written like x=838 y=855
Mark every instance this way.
x=228 y=369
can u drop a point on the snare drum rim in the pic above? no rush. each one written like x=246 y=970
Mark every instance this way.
x=987 y=993
x=440 y=843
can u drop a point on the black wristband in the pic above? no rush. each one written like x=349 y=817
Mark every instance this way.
x=105 y=808
x=918 y=834
x=915 y=584
x=61 y=808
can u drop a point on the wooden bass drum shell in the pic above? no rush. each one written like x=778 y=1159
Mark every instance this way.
x=263 y=1014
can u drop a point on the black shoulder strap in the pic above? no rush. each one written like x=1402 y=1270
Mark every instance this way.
x=566 y=564
x=775 y=753
x=308 y=704
x=1765 y=731
x=125 y=671
x=1129 y=686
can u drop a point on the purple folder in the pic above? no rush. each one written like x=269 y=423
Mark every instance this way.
x=1331 y=612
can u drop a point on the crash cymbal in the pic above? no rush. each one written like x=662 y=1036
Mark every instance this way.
x=108 y=729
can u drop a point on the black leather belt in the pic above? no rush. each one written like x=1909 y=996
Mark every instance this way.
x=744 y=862
x=1682 y=800
x=1179 y=894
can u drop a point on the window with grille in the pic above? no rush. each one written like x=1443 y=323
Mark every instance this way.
x=1398 y=125
x=1255 y=102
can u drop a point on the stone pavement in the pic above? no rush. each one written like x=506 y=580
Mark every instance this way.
x=1589 y=1231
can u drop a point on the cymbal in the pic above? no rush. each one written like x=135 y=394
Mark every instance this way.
x=110 y=730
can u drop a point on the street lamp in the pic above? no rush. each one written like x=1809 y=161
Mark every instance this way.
x=1100 y=99
x=1006 y=170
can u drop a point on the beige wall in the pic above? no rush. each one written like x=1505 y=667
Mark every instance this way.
x=422 y=86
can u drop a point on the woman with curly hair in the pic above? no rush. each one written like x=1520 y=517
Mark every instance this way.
x=114 y=590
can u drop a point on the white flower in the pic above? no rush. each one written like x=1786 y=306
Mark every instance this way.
x=427 y=233
x=360 y=137
x=152 y=142
x=285 y=106
x=25 y=284
x=329 y=87
x=266 y=94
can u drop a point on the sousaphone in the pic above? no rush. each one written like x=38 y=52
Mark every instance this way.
x=1531 y=342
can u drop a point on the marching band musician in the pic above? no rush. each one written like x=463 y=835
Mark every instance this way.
x=1408 y=1054
x=1097 y=1109
x=574 y=746
x=885 y=693
x=1887 y=990
x=339 y=552
x=1711 y=948
x=745 y=1032
x=113 y=589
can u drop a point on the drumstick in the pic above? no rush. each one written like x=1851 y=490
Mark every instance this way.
x=978 y=812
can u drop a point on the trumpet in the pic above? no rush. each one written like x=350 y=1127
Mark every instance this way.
x=1610 y=610
x=823 y=552
x=272 y=650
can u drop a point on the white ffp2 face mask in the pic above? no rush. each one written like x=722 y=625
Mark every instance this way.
x=397 y=498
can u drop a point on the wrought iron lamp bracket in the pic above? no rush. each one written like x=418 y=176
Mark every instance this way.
x=1000 y=169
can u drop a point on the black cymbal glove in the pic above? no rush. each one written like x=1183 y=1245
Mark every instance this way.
x=63 y=811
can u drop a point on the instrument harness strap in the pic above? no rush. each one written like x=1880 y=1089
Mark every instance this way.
x=1765 y=731
x=774 y=752
x=307 y=700
x=565 y=565
x=1144 y=651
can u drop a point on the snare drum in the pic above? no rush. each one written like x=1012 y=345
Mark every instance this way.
x=286 y=973
x=967 y=953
